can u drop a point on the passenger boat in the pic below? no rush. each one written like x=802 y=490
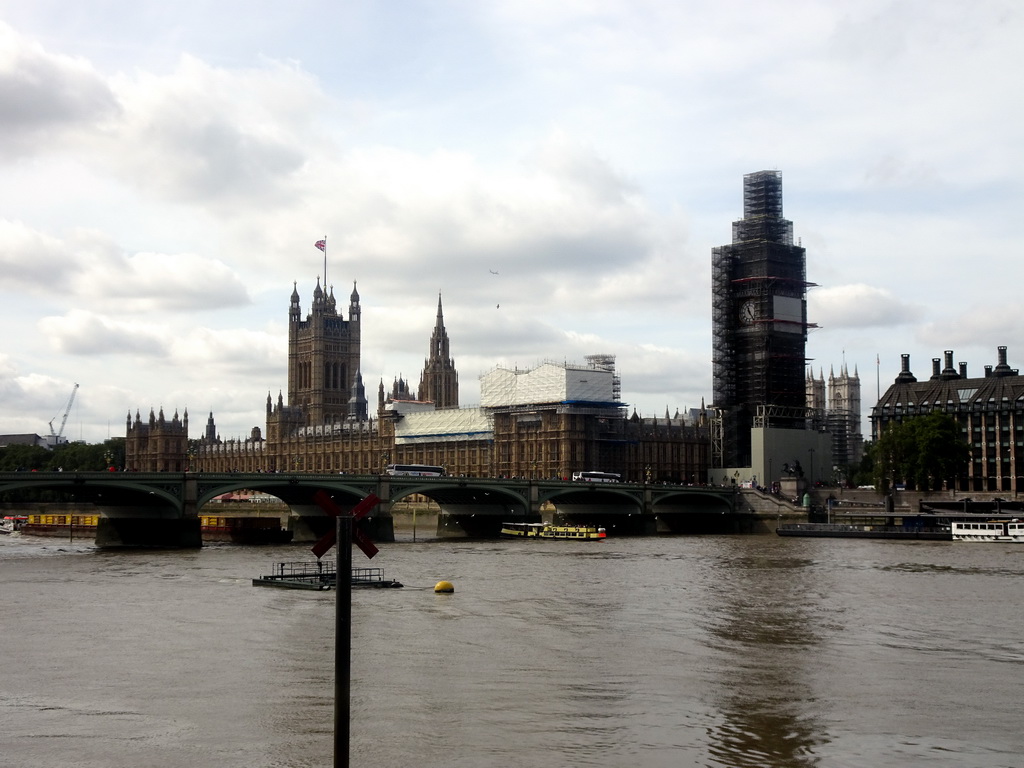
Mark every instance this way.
x=12 y=523
x=989 y=530
x=548 y=531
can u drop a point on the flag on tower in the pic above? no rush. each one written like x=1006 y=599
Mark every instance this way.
x=322 y=245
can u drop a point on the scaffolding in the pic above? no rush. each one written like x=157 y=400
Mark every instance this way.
x=548 y=383
x=606 y=362
x=759 y=320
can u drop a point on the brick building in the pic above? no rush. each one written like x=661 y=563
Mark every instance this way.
x=156 y=445
x=546 y=422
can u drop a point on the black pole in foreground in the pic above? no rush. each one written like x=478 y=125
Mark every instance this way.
x=343 y=641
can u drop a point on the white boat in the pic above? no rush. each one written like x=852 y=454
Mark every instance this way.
x=10 y=524
x=988 y=530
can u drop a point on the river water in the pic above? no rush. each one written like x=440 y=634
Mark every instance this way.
x=664 y=651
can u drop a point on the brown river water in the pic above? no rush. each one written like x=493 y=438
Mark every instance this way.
x=662 y=651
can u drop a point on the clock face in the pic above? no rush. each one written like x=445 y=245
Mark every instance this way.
x=748 y=312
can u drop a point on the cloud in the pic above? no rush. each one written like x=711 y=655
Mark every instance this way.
x=33 y=261
x=84 y=333
x=90 y=269
x=46 y=96
x=1001 y=324
x=172 y=282
x=232 y=352
x=210 y=136
x=30 y=400
x=859 y=306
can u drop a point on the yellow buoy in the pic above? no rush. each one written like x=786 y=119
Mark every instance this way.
x=444 y=586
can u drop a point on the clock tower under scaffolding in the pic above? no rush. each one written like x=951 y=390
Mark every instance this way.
x=759 y=323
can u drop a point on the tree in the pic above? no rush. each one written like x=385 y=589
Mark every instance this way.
x=863 y=473
x=23 y=457
x=923 y=452
x=942 y=453
x=85 y=457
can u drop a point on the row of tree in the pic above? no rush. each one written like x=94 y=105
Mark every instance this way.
x=67 y=457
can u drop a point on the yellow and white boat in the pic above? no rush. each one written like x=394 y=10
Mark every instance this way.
x=548 y=531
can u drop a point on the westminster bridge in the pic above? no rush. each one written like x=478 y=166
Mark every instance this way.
x=162 y=508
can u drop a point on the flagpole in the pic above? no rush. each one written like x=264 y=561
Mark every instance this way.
x=325 y=265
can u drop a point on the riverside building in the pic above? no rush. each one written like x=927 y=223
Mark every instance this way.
x=545 y=422
x=989 y=410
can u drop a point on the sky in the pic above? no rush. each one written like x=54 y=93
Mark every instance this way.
x=557 y=173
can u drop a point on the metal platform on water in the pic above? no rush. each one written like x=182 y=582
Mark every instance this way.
x=320 y=575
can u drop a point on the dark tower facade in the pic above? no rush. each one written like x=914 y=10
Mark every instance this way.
x=439 y=382
x=759 y=321
x=323 y=357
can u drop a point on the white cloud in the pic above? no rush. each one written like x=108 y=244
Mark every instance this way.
x=212 y=136
x=93 y=271
x=859 y=306
x=46 y=96
x=85 y=333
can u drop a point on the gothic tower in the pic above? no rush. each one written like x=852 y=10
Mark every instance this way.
x=439 y=381
x=845 y=416
x=759 y=321
x=816 y=391
x=323 y=356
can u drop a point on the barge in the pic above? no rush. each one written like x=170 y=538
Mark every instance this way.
x=244 y=530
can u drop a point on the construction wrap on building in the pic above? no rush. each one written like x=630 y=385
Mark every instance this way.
x=548 y=383
x=444 y=426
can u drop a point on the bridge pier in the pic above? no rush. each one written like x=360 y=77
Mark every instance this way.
x=309 y=522
x=163 y=532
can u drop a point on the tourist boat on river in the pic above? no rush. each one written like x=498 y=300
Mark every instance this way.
x=12 y=523
x=549 y=531
x=989 y=530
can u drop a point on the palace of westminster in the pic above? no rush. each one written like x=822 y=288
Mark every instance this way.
x=769 y=413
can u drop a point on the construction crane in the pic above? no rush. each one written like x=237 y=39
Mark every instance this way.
x=56 y=436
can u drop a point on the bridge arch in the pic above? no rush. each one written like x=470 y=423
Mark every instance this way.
x=99 y=488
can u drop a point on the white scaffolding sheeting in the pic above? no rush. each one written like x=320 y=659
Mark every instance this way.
x=445 y=426
x=548 y=383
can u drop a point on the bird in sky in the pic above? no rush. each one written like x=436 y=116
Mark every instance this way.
x=492 y=271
